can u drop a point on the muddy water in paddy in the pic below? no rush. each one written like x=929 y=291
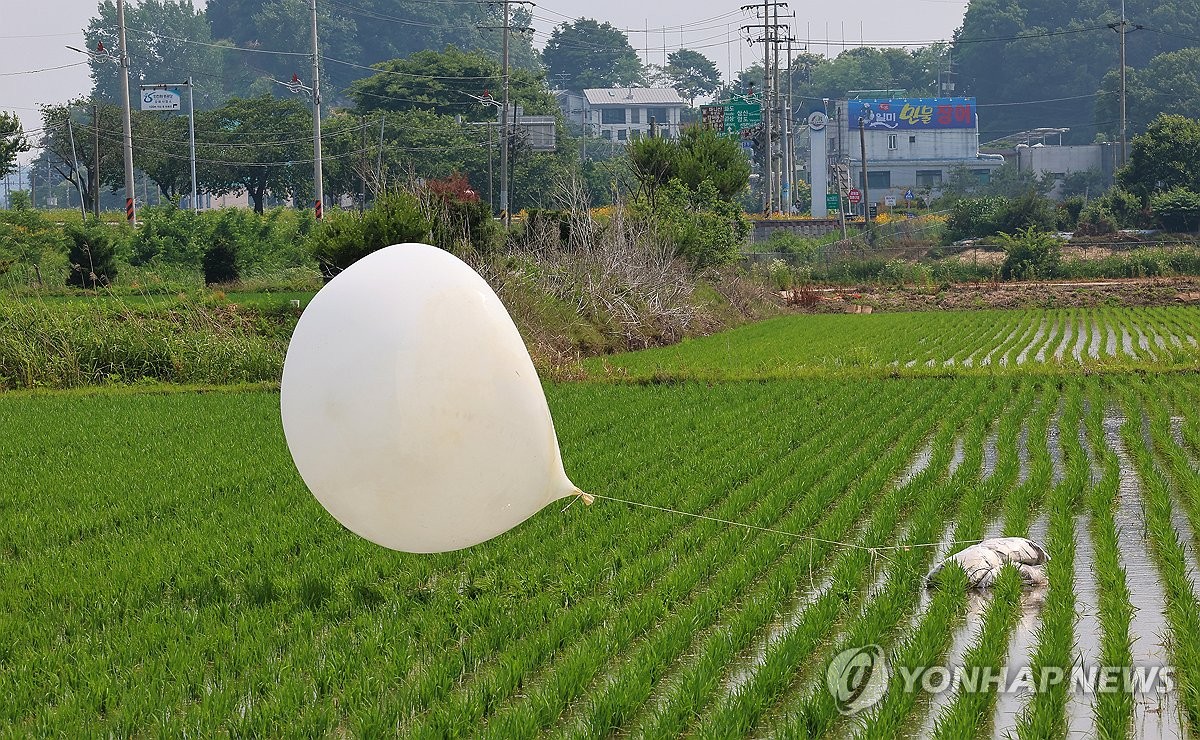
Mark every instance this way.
x=965 y=635
x=987 y=359
x=956 y=460
x=1110 y=348
x=1023 y=355
x=1080 y=719
x=1127 y=343
x=1154 y=716
x=918 y=465
x=990 y=452
x=1143 y=342
x=1068 y=330
x=1054 y=443
x=1097 y=340
x=1021 y=644
x=1041 y=353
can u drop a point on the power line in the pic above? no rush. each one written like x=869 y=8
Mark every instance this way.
x=44 y=69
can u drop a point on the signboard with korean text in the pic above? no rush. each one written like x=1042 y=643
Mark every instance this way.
x=908 y=114
x=731 y=118
x=832 y=201
x=160 y=99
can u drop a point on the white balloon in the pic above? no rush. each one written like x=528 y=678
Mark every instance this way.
x=411 y=406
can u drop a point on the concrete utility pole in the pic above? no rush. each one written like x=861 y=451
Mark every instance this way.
x=130 y=187
x=1120 y=27
x=94 y=175
x=862 y=143
x=504 y=135
x=318 y=186
x=770 y=37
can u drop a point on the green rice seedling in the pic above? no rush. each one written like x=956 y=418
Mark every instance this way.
x=1113 y=710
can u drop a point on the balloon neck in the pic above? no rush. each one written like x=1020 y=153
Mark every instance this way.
x=586 y=498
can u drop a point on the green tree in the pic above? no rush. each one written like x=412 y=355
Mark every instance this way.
x=692 y=74
x=56 y=146
x=1165 y=157
x=444 y=82
x=168 y=41
x=12 y=141
x=92 y=255
x=653 y=161
x=258 y=145
x=1031 y=255
x=703 y=155
x=344 y=237
x=1177 y=209
x=585 y=54
x=362 y=33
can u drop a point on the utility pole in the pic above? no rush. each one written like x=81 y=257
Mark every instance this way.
x=770 y=37
x=94 y=175
x=505 y=135
x=1120 y=27
x=862 y=143
x=319 y=198
x=130 y=187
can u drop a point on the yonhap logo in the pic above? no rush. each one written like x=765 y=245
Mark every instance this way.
x=857 y=678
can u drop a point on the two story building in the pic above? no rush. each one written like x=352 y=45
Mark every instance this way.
x=622 y=114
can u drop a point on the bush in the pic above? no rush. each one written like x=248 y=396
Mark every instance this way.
x=1096 y=220
x=344 y=237
x=975 y=217
x=1028 y=211
x=801 y=250
x=1124 y=207
x=1177 y=209
x=221 y=257
x=91 y=254
x=1032 y=254
x=704 y=229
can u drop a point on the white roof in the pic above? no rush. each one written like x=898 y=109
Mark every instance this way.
x=633 y=96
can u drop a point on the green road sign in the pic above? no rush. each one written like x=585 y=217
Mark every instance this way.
x=832 y=201
x=731 y=118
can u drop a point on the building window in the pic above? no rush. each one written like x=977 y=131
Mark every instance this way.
x=606 y=134
x=635 y=134
x=612 y=115
x=912 y=139
x=1058 y=175
x=983 y=177
x=929 y=178
x=659 y=115
x=892 y=142
x=635 y=115
x=622 y=134
x=877 y=179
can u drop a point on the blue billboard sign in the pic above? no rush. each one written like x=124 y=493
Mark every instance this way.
x=913 y=113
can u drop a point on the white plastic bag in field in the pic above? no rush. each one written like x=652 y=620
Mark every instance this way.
x=411 y=406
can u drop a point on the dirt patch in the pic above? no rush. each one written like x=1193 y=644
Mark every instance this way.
x=988 y=295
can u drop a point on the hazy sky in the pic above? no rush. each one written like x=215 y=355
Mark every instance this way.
x=34 y=35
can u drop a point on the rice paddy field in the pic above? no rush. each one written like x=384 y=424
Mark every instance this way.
x=164 y=571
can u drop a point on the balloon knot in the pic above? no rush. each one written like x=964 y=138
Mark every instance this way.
x=587 y=498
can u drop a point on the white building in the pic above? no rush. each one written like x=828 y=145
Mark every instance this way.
x=1054 y=161
x=912 y=144
x=623 y=114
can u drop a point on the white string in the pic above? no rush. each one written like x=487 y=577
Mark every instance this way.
x=810 y=538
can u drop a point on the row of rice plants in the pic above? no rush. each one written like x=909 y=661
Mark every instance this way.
x=971 y=711
x=174 y=468
x=607 y=708
x=1182 y=607
x=926 y=643
x=885 y=619
x=964 y=342
x=481 y=693
x=472 y=700
x=750 y=620
x=780 y=674
x=1045 y=713
x=1113 y=710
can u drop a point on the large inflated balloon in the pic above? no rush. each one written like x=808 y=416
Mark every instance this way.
x=411 y=406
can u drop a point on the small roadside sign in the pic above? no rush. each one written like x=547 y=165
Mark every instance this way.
x=908 y=195
x=832 y=201
x=889 y=200
x=854 y=196
x=160 y=100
